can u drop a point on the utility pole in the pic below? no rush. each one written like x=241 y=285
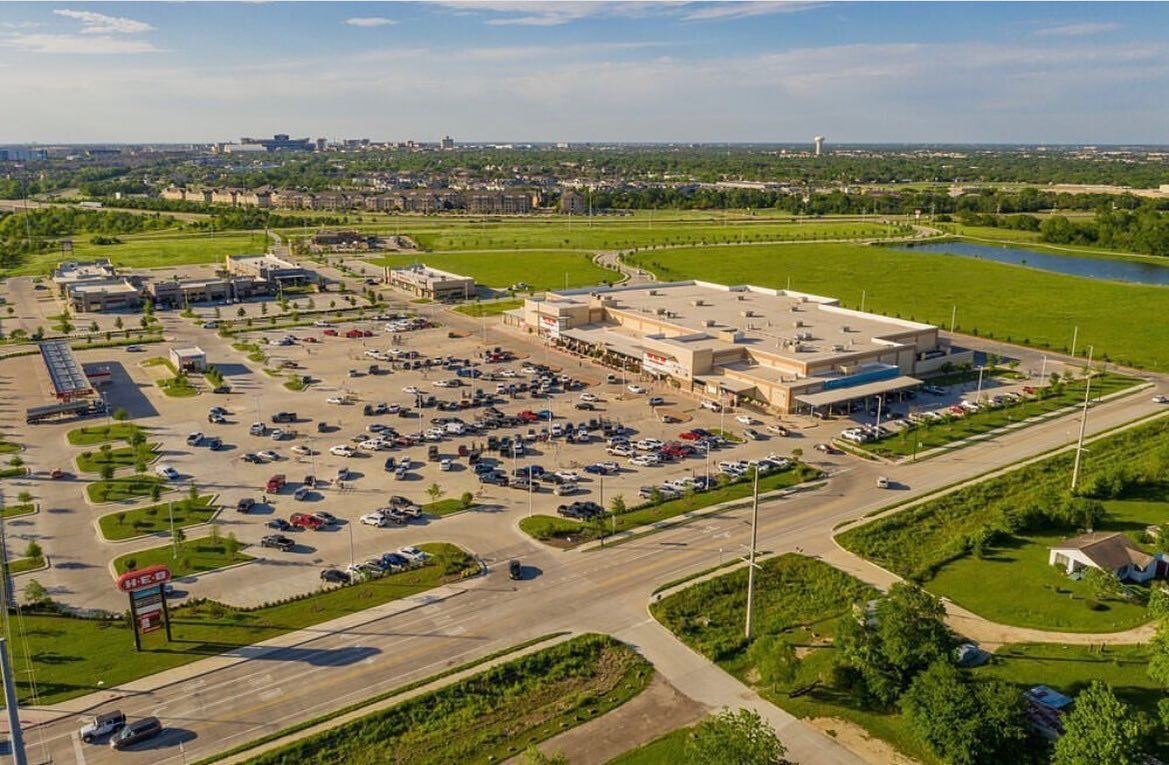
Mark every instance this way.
x=174 y=541
x=1083 y=423
x=1075 y=336
x=17 y=739
x=953 y=318
x=751 y=552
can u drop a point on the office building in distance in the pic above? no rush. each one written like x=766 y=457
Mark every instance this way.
x=788 y=351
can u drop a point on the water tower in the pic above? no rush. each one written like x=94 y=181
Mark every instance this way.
x=819 y=144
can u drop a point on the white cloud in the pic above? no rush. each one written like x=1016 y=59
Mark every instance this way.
x=77 y=44
x=100 y=24
x=1078 y=30
x=369 y=21
x=737 y=10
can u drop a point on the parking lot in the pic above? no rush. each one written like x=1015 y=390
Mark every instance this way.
x=434 y=421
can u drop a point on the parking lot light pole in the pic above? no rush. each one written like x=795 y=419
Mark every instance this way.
x=170 y=509
x=1083 y=424
x=978 y=395
x=751 y=565
x=530 y=485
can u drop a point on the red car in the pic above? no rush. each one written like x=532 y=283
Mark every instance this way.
x=529 y=416
x=330 y=333
x=689 y=435
x=306 y=521
x=309 y=339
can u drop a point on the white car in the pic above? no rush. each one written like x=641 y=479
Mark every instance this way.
x=1159 y=399
x=645 y=460
x=508 y=373
x=372 y=444
x=341 y=450
x=334 y=400
x=414 y=554
x=621 y=450
x=445 y=463
x=167 y=472
x=375 y=519
x=745 y=420
x=269 y=455
x=568 y=476
x=320 y=323
x=635 y=389
x=648 y=445
x=590 y=397
x=411 y=389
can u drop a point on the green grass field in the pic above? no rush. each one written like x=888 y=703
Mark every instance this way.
x=1006 y=302
x=541 y=270
x=71 y=656
x=1041 y=596
x=1010 y=581
x=92 y=435
x=194 y=556
x=670 y=748
x=91 y=461
x=489 y=716
x=614 y=234
x=156 y=518
x=151 y=250
x=493 y=308
x=129 y=487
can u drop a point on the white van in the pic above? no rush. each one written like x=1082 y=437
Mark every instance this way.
x=713 y=406
x=882 y=483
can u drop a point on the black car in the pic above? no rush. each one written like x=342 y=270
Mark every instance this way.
x=515 y=570
x=334 y=575
x=277 y=541
x=245 y=505
x=253 y=458
x=279 y=524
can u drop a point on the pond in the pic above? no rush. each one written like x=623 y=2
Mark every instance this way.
x=1091 y=268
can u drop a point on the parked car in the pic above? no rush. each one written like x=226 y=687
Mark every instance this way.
x=279 y=524
x=167 y=472
x=334 y=576
x=515 y=570
x=278 y=541
x=245 y=505
x=139 y=730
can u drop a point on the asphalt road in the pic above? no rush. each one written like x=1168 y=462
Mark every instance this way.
x=604 y=591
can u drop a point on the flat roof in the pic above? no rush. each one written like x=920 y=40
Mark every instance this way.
x=193 y=350
x=65 y=373
x=766 y=320
x=838 y=395
x=72 y=270
x=609 y=336
x=266 y=257
x=103 y=286
x=427 y=275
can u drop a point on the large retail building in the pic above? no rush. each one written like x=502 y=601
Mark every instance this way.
x=789 y=351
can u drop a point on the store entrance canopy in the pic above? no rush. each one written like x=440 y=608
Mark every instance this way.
x=840 y=395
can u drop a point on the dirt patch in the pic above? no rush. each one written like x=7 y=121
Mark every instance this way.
x=857 y=740
x=657 y=710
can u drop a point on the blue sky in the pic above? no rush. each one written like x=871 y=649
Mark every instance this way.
x=587 y=71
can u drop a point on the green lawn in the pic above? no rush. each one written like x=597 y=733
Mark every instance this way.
x=70 y=656
x=670 y=748
x=492 y=308
x=195 y=556
x=177 y=388
x=614 y=234
x=124 y=457
x=541 y=270
x=1041 y=596
x=20 y=565
x=7 y=447
x=802 y=601
x=151 y=250
x=1011 y=303
x=156 y=518
x=129 y=487
x=545 y=527
x=444 y=507
x=14 y=511
x=1010 y=581
x=100 y=434
x=487 y=717
x=931 y=435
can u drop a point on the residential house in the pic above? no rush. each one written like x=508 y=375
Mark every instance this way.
x=1108 y=551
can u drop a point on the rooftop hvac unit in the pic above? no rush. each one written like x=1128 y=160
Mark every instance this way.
x=797 y=323
x=660 y=311
x=708 y=322
x=797 y=347
x=846 y=329
x=746 y=314
x=803 y=298
x=697 y=303
x=838 y=348
x=653 y=293
x=740 y=296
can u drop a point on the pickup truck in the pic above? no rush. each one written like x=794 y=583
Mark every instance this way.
x=276 y=483
x=284 y=417
x=102 y=726
x=305 y=521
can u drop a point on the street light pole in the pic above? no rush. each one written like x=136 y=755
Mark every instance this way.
x=170 y=508
x=1083 y=423
x=751 y=553
x=978 y=395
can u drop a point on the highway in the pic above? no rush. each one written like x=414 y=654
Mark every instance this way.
x=603 y=590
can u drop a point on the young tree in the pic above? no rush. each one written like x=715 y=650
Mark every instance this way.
x=1100 y=730
x=24 y=497
x=33 y=550
x=107 y=471
x=735 y=737
x=617 y=504
x=533 y=756
x=121 y=415
x=434 y=491
x=775 y=659
x=155 y=491
x=466 y=500
x=35 y=593
x=118 y=322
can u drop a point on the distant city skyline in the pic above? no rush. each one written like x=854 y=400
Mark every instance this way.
x=1054 y=73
